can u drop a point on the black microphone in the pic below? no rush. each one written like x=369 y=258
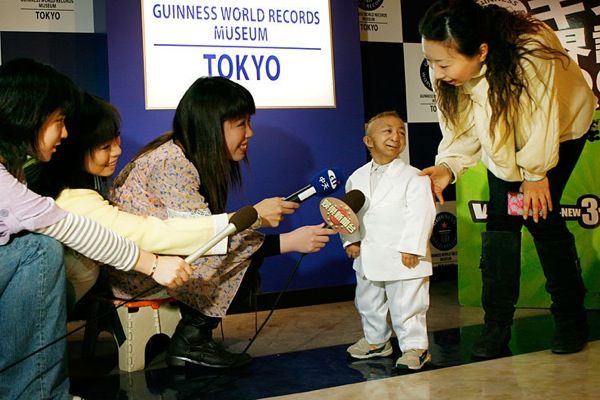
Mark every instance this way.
x=355 y=199
x=340 y=214
x=323 y=183
x=238 y=222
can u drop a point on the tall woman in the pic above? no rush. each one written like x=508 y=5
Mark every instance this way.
x=34 y=100
x=509 y=95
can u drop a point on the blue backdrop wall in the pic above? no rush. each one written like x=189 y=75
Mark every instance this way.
x=289 y=145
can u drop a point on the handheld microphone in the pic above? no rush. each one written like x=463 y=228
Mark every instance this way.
x=238 y=222
x=340 y=214
x=323 y=183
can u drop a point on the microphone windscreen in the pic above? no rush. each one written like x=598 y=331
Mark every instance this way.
x=243 y=218
x=326 y=182
x=355 y=199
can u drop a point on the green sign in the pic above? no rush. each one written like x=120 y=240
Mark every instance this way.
x=580 y=206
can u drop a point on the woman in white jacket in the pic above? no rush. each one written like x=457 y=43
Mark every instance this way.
x=509 y=95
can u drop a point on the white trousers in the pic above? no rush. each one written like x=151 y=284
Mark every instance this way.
x=407 y=302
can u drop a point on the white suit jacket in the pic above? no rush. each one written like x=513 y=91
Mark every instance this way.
x=397 y=218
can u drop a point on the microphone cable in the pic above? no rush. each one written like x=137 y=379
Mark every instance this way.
x=264 y=323
x=240 y=220
x=138 y=296
x=275 y=303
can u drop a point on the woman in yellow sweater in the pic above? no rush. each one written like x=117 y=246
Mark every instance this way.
x=78 y=177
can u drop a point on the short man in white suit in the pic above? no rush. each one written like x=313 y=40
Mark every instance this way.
x=391 y=249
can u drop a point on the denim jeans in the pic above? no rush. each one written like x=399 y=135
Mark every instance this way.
x=32 y=314
x=554 y=227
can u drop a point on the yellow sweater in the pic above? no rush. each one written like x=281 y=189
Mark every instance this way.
x=175 y=236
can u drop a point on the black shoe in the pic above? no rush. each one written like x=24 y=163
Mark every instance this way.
x=570 y=339
x=493 y=342
x=564 y=283
x=206 y=353
x=568 y=347
x=192 y=343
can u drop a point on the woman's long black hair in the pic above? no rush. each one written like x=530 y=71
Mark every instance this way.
x=465 y=25
x=198 y=129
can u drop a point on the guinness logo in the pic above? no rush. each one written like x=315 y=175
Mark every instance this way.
x=443 y=236
x=424 y=74
x=369 y=5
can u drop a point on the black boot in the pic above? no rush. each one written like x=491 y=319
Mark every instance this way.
x=192 y=342
x=565 y=285
x=500 y=272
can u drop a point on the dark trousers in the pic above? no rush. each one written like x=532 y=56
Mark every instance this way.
x=554 y=243
x=554 y=227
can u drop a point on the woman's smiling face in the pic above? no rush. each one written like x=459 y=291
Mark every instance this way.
x=102 y=160
x=449 y=65
x=237 y=135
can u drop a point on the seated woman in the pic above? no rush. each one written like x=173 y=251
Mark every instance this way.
x=91 y=153
x=78 y=176
x=34 y=101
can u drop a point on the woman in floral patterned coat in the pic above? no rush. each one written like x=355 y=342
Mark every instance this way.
x=188 y=172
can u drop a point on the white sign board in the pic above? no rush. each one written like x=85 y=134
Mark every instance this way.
x=47 y=16
x=420 y=100
x=280 y=51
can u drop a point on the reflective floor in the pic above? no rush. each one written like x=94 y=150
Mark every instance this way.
x=301 y=354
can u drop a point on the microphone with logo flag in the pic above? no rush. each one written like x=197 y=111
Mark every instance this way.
x=340 y=214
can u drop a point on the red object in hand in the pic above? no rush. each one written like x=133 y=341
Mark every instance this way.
x=515 y=204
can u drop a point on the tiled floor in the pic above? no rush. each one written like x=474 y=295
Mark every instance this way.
x=300 y=354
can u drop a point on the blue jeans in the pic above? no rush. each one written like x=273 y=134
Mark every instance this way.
x=33 y=314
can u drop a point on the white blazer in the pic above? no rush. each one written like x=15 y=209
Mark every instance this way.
x=398 y=218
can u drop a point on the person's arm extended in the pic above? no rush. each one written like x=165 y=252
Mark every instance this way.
x=21 y=209
x=93 y=241
x=459 y=148
x=177 y=236
x=455 y=155
x=458 y=153
x=100 y=244
x=305 y=239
